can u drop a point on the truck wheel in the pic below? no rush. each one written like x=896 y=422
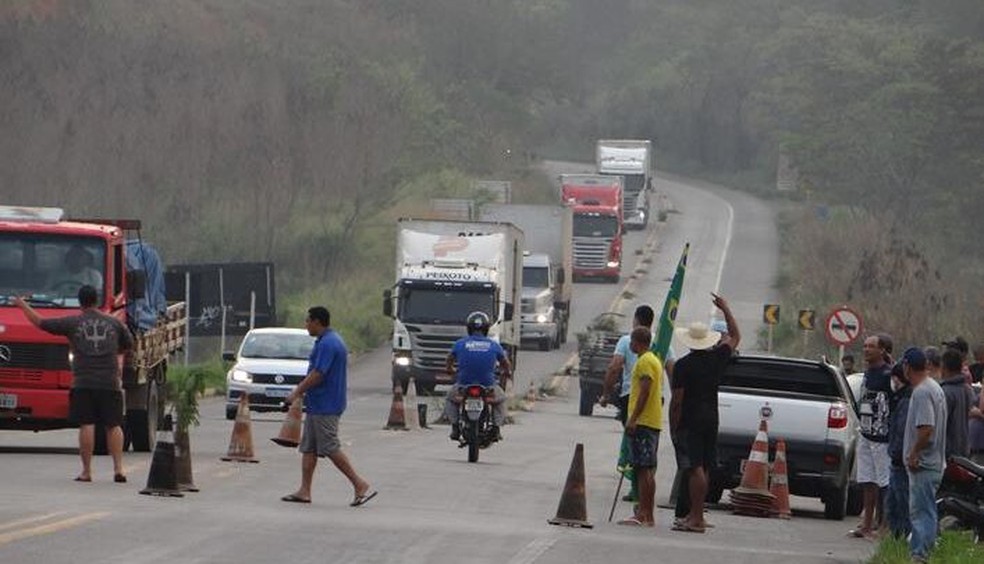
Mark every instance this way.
x=835 y=504
x=424 y=389
x=855 y=503
x=563 y=333
x=141 y=424
x=544 y=344
x=615 y=279
x=231 y=412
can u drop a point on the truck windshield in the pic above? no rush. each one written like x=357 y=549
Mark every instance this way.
x=276 y=345
x=536 y=277
x=633 y=182
x=50 y=268
x=591 y=225
x=449 y=306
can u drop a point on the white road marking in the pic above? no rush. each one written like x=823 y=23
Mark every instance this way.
x=532 y=551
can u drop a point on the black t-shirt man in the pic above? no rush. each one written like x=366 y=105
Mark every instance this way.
x=699 y=374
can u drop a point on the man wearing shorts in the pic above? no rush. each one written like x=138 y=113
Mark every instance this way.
x=96 y=341
x=873 y=461
x=694 y=407
x=324 y=393
x=644 y=423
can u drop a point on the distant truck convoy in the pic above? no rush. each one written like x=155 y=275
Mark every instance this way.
x=547 y=268
x=633 y=160
x=444 y=271
x=39 y=250
x=597 y=237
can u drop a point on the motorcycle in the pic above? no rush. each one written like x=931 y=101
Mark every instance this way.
x=475 y=422
x=960 y=498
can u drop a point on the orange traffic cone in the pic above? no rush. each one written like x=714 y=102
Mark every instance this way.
x=162 y=480
x=241 y=443
x=752 y=497
x=397 y=417
x=290 y=431
x=182 y=461
x=780 y=483
x=572 y=510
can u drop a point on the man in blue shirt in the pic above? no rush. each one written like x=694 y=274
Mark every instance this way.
x=477 y=356
x=323 y=390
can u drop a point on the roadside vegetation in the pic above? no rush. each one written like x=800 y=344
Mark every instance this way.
x=296 y=131
x=953 y=548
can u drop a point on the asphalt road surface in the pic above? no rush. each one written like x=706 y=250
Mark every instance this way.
x=432 y=506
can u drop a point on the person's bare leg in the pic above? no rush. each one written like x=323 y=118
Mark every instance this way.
x=698 y=493
x=342 y=463
x=114 y=441
x=647 y=495
x=870 y=498
x=87 y=441
x=309 y=461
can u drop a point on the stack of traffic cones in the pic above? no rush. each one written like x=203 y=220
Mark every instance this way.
x=411 y=407
x=752 y=497
x=572 y=510
x=290 y=431
x=397 y=416
x=241 y=443
x=162 y=480
x=780 y=483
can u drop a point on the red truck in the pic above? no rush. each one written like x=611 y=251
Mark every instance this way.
x=597 y=203
x=46 y=258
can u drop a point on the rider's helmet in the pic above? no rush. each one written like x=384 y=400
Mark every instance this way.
x=478 y=322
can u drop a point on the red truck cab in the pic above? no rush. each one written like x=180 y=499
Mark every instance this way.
x=597 y=241
x=47 y=259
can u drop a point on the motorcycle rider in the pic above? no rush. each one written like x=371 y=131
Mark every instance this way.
x=476 y=356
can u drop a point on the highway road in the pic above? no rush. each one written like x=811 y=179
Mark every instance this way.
x=433 y=506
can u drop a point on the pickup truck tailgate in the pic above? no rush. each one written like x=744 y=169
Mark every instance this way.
x=792 y=420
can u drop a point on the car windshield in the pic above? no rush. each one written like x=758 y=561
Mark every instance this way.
x=447 y=306
x=592 y=225
x=277 y=345
x=50 y=269
x=536 y=277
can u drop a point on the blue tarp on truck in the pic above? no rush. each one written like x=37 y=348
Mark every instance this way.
x=144 y=312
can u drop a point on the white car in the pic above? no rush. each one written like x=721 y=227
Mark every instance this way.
x=269 y=363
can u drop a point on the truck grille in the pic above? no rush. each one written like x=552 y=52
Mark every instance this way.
x=34 y=356
x=430 y=352
x=528 y=305
x=591 y=253
x=11 y=375
x=289 y=380
x=629 y=202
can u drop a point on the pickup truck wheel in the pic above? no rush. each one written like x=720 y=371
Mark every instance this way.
x=231 y=412
x=835 y=504
x=544 y=344
x=855 y=502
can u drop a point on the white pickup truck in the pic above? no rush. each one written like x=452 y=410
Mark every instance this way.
x=810 y=407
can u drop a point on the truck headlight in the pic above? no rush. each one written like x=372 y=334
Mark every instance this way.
x=242 y=376
x=612 y=264
x=541 y=318
x=401 y=360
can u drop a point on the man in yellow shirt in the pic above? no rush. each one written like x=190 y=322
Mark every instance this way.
x=644 y=423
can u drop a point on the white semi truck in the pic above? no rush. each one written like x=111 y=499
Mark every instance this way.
x=444 y=271
x=547 y=263
x=633 y=160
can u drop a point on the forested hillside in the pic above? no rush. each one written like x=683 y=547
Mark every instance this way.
x=289 y=130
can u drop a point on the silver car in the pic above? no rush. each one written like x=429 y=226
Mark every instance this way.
x=269 y=363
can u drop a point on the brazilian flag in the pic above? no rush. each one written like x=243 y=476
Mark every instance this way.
x=660 y=347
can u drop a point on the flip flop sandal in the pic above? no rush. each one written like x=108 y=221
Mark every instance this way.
x=362 y=499
x=119 y=479
x=685 y=528
x=632 y=521
x=81 y=479
x=294 y=499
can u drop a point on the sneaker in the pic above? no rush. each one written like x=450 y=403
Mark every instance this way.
x=455 y=433
x=496 y=433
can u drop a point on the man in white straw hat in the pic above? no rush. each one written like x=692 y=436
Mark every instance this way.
x=694 y=408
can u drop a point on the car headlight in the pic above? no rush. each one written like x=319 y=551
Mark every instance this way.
x=541 y=318
x=401 y=360
x=612 y=263
x=242 y=376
